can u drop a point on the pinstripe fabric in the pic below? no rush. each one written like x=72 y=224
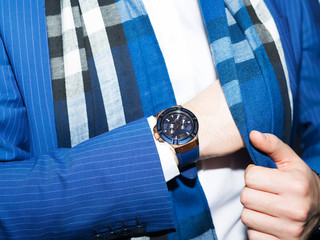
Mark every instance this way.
x=91 y=201
x=28 y=61
x=299 y=28
x=65 y=193
x=306 y=42
x=302 y=33
x=26 y=104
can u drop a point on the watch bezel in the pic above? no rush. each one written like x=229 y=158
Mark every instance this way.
x=177 y=109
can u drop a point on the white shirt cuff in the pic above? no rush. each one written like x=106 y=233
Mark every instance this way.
x=168 y=157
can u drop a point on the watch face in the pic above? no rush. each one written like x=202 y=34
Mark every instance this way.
x=177 y=125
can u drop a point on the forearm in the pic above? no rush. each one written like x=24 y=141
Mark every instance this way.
x=218 y=133
x=111 y=178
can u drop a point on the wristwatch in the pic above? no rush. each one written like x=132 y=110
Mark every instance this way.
x=179 y=127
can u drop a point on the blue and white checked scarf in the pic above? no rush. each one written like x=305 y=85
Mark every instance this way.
x=262 y=19
x=107 y=70
x=98 y=50
x=246 y=74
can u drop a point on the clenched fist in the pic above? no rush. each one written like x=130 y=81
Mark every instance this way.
x=281 y=203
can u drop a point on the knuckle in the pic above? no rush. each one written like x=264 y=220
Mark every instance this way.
x=273 y=140
x=302 y=187
x=245 y=217
x=301 y=213
x=273 y=143
x=297 y=211
x=250 y=175
x=248 y=170
x=251 y=234
x=295 y=231
x=244 y=199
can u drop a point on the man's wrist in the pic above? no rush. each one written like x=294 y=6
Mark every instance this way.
x=218 y=134
x=179 y=127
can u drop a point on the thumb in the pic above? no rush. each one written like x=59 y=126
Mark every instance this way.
x=284 y=157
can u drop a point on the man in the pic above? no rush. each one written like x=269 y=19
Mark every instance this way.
x=63 y=177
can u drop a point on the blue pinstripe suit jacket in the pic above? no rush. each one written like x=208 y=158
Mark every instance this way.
x=66 y=193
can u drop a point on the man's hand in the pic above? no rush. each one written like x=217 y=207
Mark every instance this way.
x=280 y=203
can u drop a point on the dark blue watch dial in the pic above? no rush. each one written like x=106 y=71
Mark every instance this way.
x=177 y=125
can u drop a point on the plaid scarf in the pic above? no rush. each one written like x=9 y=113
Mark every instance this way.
x=97 y=51
x=248 y=79
x=261 y=19
x=107 y=70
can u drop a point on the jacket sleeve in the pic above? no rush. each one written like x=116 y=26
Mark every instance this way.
x=107 y=182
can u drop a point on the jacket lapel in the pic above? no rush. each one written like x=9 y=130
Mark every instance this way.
x=27 y=45
x=285 y=36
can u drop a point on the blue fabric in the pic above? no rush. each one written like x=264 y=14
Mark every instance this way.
x=298 y=23
x=187 y=200
x=147 y=59
x=105 y=87
x=28 y=143
x=188 y=157
x=278 y=66
x=246 y=76
x=98 y=110
x=301 y=40
x=51 y=193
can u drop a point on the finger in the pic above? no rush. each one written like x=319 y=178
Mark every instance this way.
x=264 y=202
x=274 y=205
x=280 y=152
x=278 y=227
x=256 y=235
x=262 y=222
x=265 y=179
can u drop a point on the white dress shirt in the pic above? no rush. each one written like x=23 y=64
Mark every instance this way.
x=182 y=39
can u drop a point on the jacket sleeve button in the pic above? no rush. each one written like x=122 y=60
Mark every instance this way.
x=98 y=237
x=125 y=233
x=139 y=231
x=112 y=236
